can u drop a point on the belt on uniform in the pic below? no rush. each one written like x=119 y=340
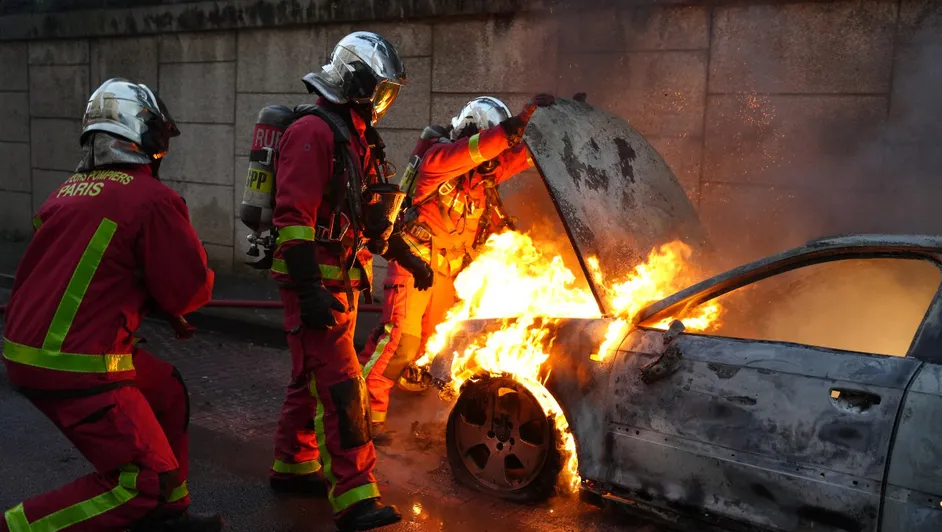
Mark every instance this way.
x=420 y=233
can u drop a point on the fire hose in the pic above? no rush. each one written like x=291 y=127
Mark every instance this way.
x=248 y=303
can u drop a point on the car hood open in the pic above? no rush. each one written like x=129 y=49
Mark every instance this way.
x=615 y=195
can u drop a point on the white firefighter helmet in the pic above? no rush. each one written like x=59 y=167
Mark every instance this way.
x=363 y=68
x=482 y=112
x=130 y=111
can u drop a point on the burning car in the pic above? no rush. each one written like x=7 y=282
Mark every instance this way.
x=784 y=394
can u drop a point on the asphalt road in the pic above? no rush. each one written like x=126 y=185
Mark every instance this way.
x=236 y=390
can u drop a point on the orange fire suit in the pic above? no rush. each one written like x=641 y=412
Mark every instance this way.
x=108 y=243
x=324 y=424
x=451 y=219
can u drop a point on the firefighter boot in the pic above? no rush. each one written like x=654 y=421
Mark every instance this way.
x=312 y=485
x=381 y=436
x=184 y=522
x=367 y=515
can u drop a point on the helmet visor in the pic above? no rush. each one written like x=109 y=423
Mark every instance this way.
x=374 y=52
x=385 y=94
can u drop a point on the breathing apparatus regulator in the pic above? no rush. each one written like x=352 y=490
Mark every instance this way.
x=382 y=201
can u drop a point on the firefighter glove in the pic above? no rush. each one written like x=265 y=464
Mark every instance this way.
x=540 y=100
x=317 y=306
x=375 y=227
x=399 y=252
x=315 y=300
x=422 y=274
x=515 y=125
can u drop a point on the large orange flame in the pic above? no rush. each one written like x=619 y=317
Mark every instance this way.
x=528 y=292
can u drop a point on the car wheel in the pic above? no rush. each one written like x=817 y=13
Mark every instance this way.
x=500 y=441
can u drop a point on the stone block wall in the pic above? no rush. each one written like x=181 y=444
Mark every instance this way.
x=783 y=121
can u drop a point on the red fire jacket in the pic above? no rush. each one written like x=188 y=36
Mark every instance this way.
x=464 y=205
x=304 y=167
x=106 y=242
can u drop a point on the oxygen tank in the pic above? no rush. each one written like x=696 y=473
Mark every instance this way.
x=258 y=198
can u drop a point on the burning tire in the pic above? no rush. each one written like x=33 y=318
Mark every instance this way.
x=501 y=441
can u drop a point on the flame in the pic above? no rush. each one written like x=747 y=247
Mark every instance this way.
x=528 y=292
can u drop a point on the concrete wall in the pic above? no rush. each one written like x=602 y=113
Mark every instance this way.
x=783 y=121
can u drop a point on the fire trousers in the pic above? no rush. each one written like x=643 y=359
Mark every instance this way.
x=409 y=319
x=135 y=437
x=324 y=424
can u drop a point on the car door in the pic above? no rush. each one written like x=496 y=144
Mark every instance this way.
x=913 y=500
x=773 y=431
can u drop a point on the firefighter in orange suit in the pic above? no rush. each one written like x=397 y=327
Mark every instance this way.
x=453 y=190
x=328 y=164
x=110 y=241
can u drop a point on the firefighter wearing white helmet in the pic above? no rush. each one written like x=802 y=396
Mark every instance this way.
x=334 y=208
x=452 y=179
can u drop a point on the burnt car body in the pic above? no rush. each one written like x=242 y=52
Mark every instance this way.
x=738 y=432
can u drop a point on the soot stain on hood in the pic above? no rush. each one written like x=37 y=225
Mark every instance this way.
x=626 y=156
x=595 y=178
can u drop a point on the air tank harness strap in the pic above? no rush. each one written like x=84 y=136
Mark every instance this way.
x=454 y=189
x=338 y=194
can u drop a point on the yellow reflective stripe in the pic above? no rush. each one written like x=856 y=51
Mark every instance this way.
x=85 y=510
x=380 y=346
x=475 y=151
x=377 y=417
x=278 y=266
x=78 y=285
x=294 y=232
x=16 y=519
x=73 y=362
x=300 y=468
x=178 y=493
x=355 y=495
x=322 y=442
x=327 y=271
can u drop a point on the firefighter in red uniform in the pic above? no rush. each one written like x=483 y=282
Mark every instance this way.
x=454 y=187
x=327 y=232
x=110 y=241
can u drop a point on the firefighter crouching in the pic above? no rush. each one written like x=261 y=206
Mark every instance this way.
x=109 y=242
x=456 y=173
x=331 y=215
